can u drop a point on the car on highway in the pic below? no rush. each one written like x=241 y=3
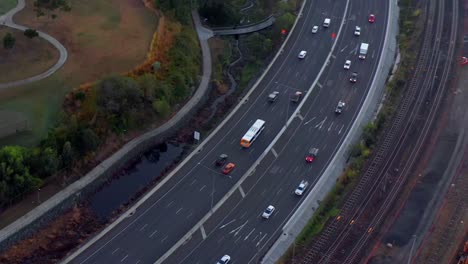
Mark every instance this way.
x=314 y=29
x=301 y=188
x=326 y=22
x=347 y=65
x=296 y=96
x=228 y=168
x=311 y=155
x=224 y=260
x=339 y=108
x=371 y=18
x=302 y=54
x=273 y=96
x=221 y=159
x=268 y=211
x=357 y=31
x=353 y=77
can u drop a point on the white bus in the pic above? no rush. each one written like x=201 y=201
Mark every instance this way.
x=252 y=133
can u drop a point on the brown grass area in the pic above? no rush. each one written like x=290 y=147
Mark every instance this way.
x=101 y=36
x=27 y=58
x=52 y=243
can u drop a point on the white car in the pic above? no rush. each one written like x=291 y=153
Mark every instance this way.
x=339 y=108
x=301 y=188
x=273 y=96
x=326 y=22
x=302 y=54
x=268 y=212
x=347 y=64
x=224 y=260
x=357 y=31
x=314 y=29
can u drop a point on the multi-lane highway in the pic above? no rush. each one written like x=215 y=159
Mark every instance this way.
x=236 y=228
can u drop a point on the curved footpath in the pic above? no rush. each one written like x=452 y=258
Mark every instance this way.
x=7 y=20
x=64 y=199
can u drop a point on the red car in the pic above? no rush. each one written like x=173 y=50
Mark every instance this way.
x=310 y=157
x=228 y=168
x=371 y=18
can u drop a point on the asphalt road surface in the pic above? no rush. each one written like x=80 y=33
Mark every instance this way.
x=236 y=229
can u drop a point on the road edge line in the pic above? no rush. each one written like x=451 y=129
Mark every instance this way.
x=132 y=209
x=268 y=149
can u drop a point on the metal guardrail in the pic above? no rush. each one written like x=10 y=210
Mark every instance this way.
x=244 y=26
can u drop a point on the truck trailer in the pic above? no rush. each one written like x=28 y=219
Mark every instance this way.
x=363 y=50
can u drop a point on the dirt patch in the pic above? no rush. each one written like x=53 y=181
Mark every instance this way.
x=101 y=37
x=27 y=58
x=53 y=242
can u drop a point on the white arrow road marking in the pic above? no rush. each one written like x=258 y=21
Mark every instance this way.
x=238 y=229
x=319 y=125
x=154 y=232
x=241 y=191
x=339 y=132
x=230 y=222
x=344 y=48
x=247 y=236
x=330 y=127
x=260 y=241
x=309 y=121
x=203 y=233
x=274 y=154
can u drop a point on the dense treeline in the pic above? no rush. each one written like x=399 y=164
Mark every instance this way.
x=114 y=105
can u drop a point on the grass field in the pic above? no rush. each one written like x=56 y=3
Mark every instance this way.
x=101 y=36
x=7 y=5
x=27 y=58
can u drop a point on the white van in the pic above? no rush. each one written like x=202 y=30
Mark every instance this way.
x=326 y=22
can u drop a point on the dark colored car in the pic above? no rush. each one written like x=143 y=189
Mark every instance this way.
x=311 y=155
x=221 y=159
x=353 y=77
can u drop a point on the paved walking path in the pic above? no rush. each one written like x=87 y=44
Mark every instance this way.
x=7 y=20
x=10 y=233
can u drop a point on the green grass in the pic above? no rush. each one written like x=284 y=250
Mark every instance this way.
x=40 y=103
x=7 y=5
x=248 y=72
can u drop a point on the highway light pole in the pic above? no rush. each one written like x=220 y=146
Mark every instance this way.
x=38 y=195
x=411 y=250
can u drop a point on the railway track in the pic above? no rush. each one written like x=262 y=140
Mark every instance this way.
x=381 y=182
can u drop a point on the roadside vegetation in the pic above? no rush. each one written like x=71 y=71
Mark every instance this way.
x=115 y=108
x=411 y=28
x=258 y=46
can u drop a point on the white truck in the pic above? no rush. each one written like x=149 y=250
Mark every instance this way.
x=363 y=50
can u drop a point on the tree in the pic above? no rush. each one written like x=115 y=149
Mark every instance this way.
x=15 y=177
x=31 y=33
x=87 y=141
x=147 y=84
x=161 y=107
x=43 y=162
x=117 y=95
x=8 y=41
x=259 y=46
x=68 y=155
